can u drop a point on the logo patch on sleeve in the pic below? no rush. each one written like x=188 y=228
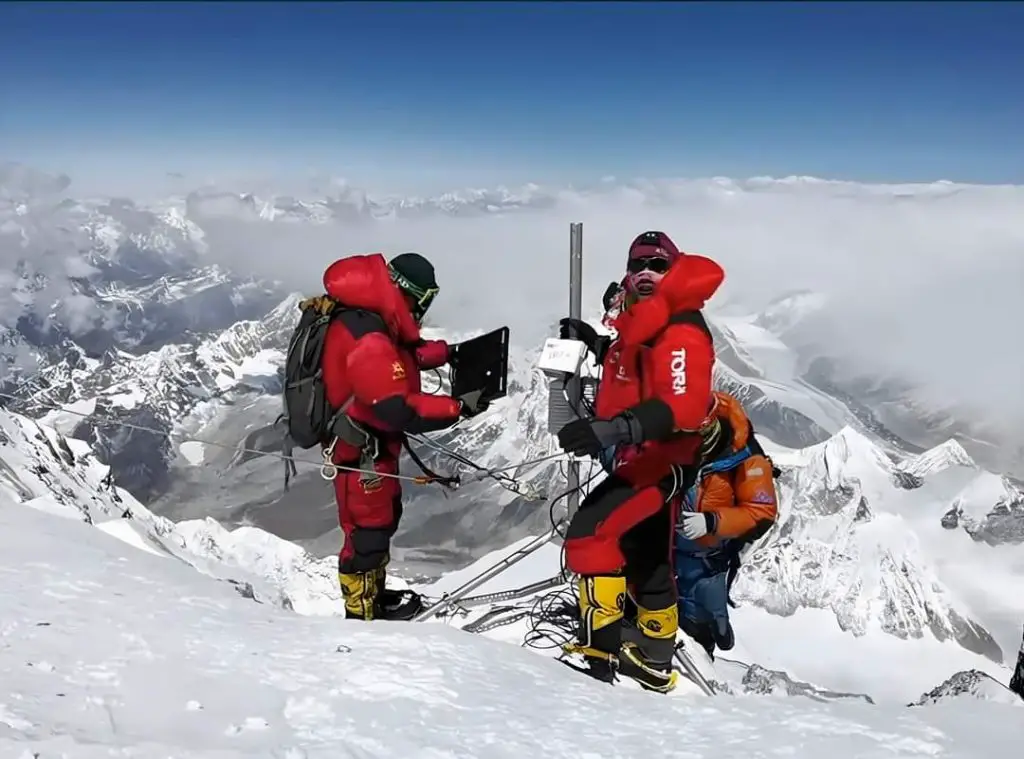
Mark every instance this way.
x=678 y=369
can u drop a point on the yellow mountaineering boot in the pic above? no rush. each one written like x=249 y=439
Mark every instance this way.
x=366 y=597
x=360 y=589
x=599 y=635
x=647 y=656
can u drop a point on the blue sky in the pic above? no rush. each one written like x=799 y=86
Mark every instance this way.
x=443 y=94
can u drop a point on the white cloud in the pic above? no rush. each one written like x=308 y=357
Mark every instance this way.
x=78 y=267
x=79 y=313
x=926 y=281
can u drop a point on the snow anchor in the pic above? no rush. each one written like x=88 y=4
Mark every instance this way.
x=512 y=595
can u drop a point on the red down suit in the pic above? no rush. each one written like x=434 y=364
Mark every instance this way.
x=621 y=537
x=373 y=354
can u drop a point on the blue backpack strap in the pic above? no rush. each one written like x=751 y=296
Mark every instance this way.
x=727 y=463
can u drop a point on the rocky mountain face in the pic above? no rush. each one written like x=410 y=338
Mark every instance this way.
x=1017 y=681
x=841 y=544
x=970 y=684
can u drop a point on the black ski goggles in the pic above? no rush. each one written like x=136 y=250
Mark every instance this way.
x=421 y=297
x=654 y=264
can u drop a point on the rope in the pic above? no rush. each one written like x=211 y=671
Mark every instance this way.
x=113 y=421
x=553 y=619
x=508 y=482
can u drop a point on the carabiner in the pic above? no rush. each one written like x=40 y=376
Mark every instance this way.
x=328 y=470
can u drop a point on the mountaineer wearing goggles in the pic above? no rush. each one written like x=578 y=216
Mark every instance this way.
x=363 y=401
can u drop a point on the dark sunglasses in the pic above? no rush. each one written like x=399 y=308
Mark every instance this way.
x=656 y=265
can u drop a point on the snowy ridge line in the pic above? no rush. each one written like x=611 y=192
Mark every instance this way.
x=142 y=428
x=114 y=422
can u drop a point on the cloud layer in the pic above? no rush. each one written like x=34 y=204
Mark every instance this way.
x=923 y=281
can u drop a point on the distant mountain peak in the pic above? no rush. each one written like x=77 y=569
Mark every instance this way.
x=970 y=684
x=942 y=456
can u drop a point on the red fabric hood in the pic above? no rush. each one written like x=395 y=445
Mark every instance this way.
x=363 y=281
x=687 y=286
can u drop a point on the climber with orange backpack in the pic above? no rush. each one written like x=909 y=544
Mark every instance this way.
x=732 y=504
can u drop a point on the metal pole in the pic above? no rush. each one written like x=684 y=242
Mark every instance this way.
x=576 y=270
x=693 y=673
x=488 y=574
x=575 y=312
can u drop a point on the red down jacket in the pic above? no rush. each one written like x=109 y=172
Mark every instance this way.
x=374 y=353
x=654 y=356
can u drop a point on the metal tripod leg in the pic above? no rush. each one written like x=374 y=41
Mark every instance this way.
x=449 y=598
x=692 y=672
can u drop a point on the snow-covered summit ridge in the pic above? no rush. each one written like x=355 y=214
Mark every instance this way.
x=945 y=455
x=859 y=536
x=92 y=628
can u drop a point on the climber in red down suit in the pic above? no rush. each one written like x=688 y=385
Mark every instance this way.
x=653 y=404
x=372 y=357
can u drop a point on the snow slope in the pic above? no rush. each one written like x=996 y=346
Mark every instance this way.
x=803 y=653
x=92 y=625
x=42 y=469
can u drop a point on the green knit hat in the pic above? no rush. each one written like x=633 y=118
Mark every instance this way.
x=414 y=276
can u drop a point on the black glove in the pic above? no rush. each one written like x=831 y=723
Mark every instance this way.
x=577 y=329
x=471 y=404
x=588 y=437
x=609 y=295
